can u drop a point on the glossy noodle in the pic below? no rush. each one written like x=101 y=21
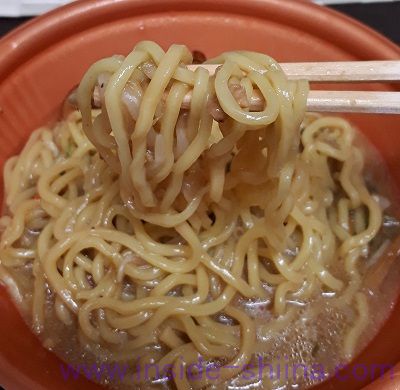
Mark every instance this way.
x=147 y=222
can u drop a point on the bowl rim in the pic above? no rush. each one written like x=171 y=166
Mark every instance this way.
x=39 y=34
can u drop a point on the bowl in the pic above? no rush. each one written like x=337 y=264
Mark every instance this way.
x=42 y=60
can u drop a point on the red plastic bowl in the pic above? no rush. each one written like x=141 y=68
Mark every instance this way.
x=41 y=61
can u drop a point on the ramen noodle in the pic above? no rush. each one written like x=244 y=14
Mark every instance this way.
x=168 y=222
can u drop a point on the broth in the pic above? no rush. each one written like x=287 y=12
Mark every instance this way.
x=301 y=349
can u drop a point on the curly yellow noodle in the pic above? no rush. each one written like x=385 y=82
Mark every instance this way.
x=147 y=221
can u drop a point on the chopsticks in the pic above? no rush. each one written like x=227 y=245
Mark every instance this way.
x=337 y=72
x=334 y=72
